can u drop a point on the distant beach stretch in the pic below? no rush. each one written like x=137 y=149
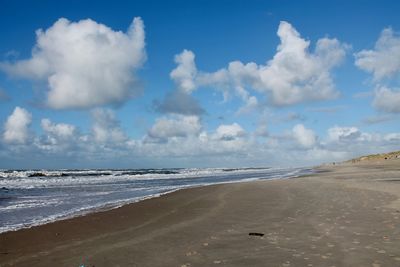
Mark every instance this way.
x=344 y=215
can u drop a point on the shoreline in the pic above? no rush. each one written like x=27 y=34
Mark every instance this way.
x=347 y=216
x=112 y=206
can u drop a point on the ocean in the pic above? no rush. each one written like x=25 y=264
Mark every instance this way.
x=34 y=197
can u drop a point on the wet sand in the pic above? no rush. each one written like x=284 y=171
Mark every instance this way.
x=347 y=215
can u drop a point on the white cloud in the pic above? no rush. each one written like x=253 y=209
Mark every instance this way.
x=85 y=63
x=392 y=137
x=106 y=128
x=185 y=138
x=229 y=132
x=186 y=71
x=57 y=137
x=294 y=74
x=384 y=60
x=187 y=79
x=60 y=130
x=337 y=133
x=351 y=142
x=304 y=137
x=16 y=127
x=387 y=100
x=179 y=140
x=175 y=126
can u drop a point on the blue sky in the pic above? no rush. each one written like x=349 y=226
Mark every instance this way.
x=120 y=84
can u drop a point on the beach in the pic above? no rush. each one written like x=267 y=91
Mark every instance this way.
x=345 y=215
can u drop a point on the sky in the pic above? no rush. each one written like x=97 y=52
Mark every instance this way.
x=152 y=84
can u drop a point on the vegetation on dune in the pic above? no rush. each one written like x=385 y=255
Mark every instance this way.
x=382 y=156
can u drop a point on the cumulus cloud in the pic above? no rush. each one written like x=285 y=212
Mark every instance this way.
x=178 y=140
x=295 y=74
x=85 y=63
x=185 y=73
x=338 y=133
x=228 y=132
x=344 y=137
x=384 y=60
x=392 y=137
x=352 y=142
x=175 y=126
x=106 y=127
x=16 y=127
x=304 y=137
x=188 y=78
x=60 y=130
x=387 y=100
x=57 y=137
x=185 y=138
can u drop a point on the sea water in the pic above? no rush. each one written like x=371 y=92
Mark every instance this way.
x=34 y=197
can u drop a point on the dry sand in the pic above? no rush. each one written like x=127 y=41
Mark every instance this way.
x=346 y=215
